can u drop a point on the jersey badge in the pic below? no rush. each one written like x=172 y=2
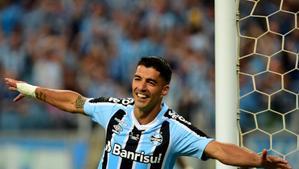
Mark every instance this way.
x=156 y=139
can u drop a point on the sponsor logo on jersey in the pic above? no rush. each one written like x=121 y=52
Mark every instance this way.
x=120 y=122
x=141 y=157
x=175 y=116
x=117 y=128
x=123 y=101
x=134 y=136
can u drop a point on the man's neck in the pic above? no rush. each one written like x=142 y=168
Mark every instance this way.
x=145 y=117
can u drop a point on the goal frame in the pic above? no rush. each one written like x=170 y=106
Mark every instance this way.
x=226 y=73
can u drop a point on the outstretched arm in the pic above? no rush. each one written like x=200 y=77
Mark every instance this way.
x=233 y=155
x=66 y=100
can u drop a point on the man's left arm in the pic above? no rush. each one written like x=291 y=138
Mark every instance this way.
x=231 y=154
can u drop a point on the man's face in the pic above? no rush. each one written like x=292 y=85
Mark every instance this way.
x=148 y=88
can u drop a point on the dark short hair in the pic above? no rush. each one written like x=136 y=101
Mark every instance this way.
x=158 y=63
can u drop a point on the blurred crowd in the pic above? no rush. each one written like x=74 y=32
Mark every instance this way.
x=92 y=46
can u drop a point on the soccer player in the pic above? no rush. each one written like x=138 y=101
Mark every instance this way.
x=143 y=132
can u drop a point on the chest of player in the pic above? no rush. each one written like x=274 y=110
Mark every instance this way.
x=128 y=137
x=138 y=139
x=148 y=146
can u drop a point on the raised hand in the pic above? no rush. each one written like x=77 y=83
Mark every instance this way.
x=12 y=85
x=272 y=162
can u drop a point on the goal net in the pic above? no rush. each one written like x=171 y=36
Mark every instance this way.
x=269 y=77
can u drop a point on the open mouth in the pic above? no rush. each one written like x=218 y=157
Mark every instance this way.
x=142 y=96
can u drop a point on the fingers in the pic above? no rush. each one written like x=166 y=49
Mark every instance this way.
x=279 y=163
x=284 y=165
x=274 y=162
x=10 y=83
x=278 y=160
x=19 y=97
x=264 y=154
x=12 y=88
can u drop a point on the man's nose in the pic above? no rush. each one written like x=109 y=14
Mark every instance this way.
x=143 y=86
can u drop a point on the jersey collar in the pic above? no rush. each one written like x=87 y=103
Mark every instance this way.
x=159 y=118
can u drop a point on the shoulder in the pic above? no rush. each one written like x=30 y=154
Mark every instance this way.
x=179 y=122
x=170 y=114
x=104 y=108
x=120 y=101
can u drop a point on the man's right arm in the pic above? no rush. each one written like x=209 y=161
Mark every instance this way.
x=66 y=100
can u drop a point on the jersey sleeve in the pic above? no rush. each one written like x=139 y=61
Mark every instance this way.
x=189 y=141
x=100 y=109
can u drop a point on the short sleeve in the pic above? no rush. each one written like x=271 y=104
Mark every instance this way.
x=100 y=110
x=190 y=143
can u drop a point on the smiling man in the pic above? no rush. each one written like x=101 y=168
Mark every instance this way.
x=143 y=132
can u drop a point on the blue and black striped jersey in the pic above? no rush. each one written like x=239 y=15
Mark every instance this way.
x=156 y=145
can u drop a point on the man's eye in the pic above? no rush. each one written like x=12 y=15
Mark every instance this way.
x=152 y=83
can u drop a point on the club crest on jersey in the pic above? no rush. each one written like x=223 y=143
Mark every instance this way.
x=157 y=139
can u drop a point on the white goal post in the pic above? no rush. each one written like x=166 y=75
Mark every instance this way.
x=226 y=73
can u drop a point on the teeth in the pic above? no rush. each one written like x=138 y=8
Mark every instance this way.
x=141 y=95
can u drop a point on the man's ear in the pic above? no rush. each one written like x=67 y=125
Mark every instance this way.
x=165 y=90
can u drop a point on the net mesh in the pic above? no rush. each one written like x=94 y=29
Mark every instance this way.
x=269 y=77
